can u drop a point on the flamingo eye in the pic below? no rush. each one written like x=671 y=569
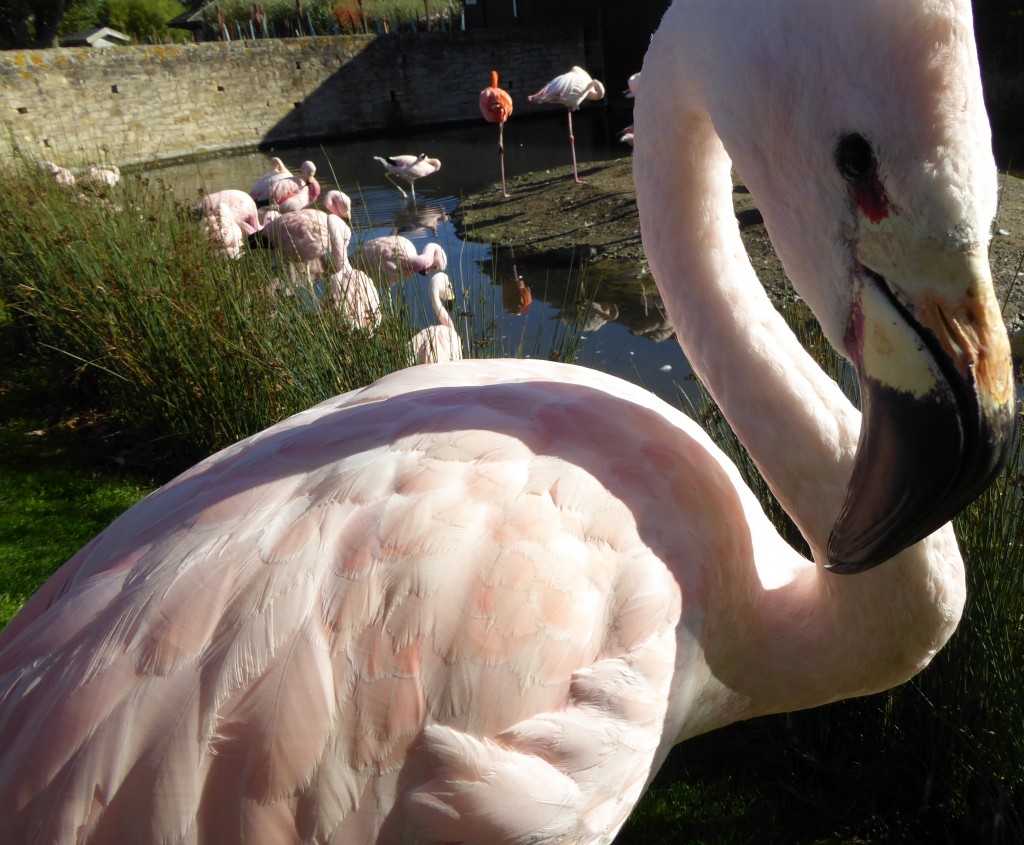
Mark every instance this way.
x=855 y=159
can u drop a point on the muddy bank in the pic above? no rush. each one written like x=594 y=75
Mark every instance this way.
x=597 y=222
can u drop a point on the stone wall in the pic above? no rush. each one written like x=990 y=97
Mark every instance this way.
x=130 y=104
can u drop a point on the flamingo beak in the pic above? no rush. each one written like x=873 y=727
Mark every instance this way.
x=937 y=395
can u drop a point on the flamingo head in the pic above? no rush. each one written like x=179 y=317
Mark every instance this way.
x=868 y=152
x=438 y=258
x=308 y=170
x=339 y=203
x=441 y=285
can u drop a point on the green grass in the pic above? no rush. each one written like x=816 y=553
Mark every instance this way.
x=58 y=486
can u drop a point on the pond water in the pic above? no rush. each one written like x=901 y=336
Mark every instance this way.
x=625 y=331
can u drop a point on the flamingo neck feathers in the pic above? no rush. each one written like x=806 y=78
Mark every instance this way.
x=809 y=636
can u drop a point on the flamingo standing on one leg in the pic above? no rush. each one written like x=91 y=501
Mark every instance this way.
x=410 y=168
x=295 y=192
x=440 y=342
x=261 y=190
x=570 y=90
x=480 y=601
x=496 y=106
x=242 y=206
x=398 y=258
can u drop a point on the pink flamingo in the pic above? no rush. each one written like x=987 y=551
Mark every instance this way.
x=223 y=232
x=261 y=190
x=410 y=168
x=241 y=205
x=295 y=192
x=440 y=342
x=308 y=235
x=632 y=86
x=496 y=106
x=570 y=90
x=480 y=601
x=396 y=256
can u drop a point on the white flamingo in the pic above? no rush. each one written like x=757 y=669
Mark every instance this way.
x=571 y=90
x=479 y=601
x=397 y=257
x=102 y=175
x=61 y=175
x=410 y=168
x=440 y=342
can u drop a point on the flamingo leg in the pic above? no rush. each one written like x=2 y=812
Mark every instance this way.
x=393 y=182
x=572 y=146
x=501 y=157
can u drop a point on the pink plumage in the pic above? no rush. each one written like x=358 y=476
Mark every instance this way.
x=293 y=193
x=260 y=191
x=570 y=89
x=480 y=601
x=308 y=235
x=397 y=257
x=240 y=204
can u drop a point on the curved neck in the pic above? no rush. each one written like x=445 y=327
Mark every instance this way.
x=805 y=636
x=440 y=312
x=795 y=422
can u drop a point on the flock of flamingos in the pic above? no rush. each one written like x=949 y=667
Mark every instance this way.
x=279 y=212
x=479 y=602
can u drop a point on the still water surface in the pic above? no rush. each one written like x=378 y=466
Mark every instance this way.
x=626 y=333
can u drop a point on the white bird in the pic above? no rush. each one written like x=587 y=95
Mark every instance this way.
x=410 y=168
x=480 y=601
x=102 y=176
x=571 y=90
x=261 y=190
x=440 y=342
x=397 y=258
x=61 y=175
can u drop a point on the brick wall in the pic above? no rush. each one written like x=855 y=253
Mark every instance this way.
x=130 y=104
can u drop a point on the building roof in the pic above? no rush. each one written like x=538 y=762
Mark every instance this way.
x=102 y=37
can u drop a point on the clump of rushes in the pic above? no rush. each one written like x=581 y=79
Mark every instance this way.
x=119 y=288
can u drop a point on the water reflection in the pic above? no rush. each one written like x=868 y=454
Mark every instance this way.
x=520 y=304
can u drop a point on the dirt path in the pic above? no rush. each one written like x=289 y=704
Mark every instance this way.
x=598 y=222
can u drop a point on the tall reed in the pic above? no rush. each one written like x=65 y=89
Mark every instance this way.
x=119 y=288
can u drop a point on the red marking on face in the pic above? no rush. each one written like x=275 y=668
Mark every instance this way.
x=872 y=200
